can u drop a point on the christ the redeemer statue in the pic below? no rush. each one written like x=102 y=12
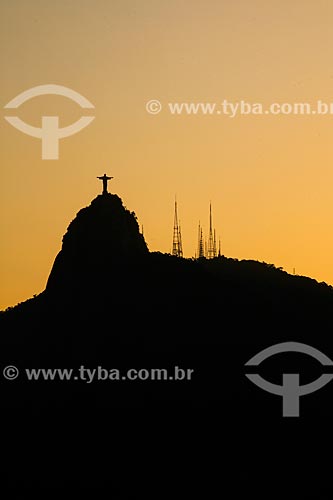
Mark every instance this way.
x=105 y=180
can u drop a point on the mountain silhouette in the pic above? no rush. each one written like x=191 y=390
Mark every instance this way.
x=110 y=302
x=99 y=245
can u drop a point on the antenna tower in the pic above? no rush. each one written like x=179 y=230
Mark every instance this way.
x=177 y=247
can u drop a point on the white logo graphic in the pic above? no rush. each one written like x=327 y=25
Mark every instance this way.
x=50 y=133
x=290 y=390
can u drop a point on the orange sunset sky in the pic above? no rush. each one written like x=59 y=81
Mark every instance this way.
x=269 y=178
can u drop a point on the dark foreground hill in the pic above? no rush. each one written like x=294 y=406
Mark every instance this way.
x=111 y=306
x=109 y=302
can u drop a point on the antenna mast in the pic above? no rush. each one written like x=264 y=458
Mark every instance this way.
x=177 y=247
x=211 y=251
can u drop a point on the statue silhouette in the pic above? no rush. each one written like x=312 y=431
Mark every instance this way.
x=105 y=180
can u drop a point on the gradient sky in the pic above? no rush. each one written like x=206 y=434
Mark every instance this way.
x=269 y=178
